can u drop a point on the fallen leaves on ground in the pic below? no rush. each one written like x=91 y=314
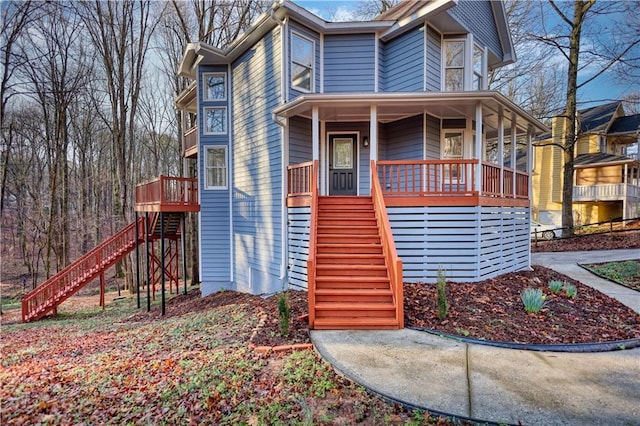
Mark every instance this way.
x=192 y=366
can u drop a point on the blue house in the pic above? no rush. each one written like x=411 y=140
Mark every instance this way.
x=348 y=157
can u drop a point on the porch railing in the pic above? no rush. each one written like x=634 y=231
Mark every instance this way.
x=491 y=182
x=614 y=191
x=167 y=191
x=427 y=177
x=190 y=140
x=313 y=238
x=300 y=179
x=392 y=260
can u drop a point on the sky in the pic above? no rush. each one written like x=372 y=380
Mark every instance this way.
x=602 y=90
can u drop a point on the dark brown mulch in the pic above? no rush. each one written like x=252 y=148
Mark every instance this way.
x=489 y=310
x=492 y=310
x=602 y=241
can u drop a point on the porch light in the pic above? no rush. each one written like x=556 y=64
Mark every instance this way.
x=365 y=141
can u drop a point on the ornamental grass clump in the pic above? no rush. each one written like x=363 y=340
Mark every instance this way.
x=555 y=286
x=570 y=290
x=533 y=300
x=284 y=313
x=442 y=295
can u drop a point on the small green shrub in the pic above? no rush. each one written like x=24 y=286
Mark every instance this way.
x=555 y=286
x=443 y=307
x=284 y=312
x=533 y=299
x=570 y=290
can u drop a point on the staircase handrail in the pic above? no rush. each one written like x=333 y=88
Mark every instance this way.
x=70 y=275
x=313 y=238
x=388 y=245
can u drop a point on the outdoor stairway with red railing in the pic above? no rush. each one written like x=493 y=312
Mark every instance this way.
x=352 y=283
x=49 y=295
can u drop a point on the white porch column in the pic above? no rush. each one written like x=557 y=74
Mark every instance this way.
x=315 y=133
x=501 y=148
x=530 y=163
x=478 y=148
x=514 y=148
x=373 y=133
x=625 y=194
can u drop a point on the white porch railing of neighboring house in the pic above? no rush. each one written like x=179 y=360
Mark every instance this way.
x=614 y=191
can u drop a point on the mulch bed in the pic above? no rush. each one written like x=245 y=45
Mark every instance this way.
x=492 y=310
x=587 y=242
x=488 y=310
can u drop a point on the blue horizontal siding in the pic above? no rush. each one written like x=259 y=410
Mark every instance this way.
x=433 y=138
x=403 y=63
x=349 y=63
x=478 y=17
x=434 y=60
x=405 y=139
x=257 y=160
x=300 y=149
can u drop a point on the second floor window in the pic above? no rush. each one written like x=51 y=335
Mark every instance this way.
x=478 y=68
x=215 y=86
x=302 y=53
x=215 y=121
x=453 y=66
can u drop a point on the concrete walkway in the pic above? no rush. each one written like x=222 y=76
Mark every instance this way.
x=494 y=384
x=567 y=263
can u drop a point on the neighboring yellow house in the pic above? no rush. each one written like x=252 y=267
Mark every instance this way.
x=607 y=168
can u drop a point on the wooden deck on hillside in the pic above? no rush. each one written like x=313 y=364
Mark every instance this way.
x=168 y=194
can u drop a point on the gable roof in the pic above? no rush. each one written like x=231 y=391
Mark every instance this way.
x=625 y=125
x=597 y=119
x=402 y=9
x=409 y=13
x=402 y=17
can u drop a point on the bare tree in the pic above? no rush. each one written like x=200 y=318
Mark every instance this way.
x=16 y=16
x=369 y=9
x=530 y=81
x=594 y=58
x=121 y=32
x=57 y=70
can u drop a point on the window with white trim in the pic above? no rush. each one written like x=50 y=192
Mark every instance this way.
x=453 y=149
x=216 y=167
x=453 y=65
x=214 y=86
x=215 y=120
x=478 y=68
x=302 y=62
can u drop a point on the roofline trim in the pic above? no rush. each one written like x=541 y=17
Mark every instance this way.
x=405 y=24
x=382 y=98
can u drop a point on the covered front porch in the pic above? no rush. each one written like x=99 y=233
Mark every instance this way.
x=425 y=145
x=456 y=193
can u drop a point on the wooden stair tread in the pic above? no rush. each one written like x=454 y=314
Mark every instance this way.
x=355 y=323
x=352 y=291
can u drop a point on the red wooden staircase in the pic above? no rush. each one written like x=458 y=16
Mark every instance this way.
x=352 y=285
x=47 y=296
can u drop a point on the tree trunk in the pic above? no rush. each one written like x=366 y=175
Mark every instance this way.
x=580 y=10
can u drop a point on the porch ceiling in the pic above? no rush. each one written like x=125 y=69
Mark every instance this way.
x=396 y=106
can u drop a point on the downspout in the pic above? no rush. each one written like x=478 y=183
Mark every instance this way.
x=283 y=141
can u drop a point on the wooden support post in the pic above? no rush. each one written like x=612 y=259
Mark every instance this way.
x=137 y=261
x=102 y=290
x=162 y=259
x=184 y=251
x=146 y=239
